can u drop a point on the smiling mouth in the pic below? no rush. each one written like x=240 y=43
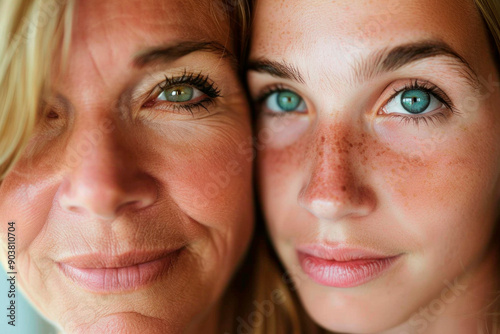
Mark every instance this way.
x=104 y=274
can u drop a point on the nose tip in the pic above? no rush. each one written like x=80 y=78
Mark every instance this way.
x=336 y=205
x=106 y=199
x=107 y=178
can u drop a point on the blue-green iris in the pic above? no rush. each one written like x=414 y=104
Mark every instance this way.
x=179 y=94
x=288 y=101
x=415 y=101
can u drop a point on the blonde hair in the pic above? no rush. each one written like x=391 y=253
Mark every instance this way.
x=490 y=11
x=269 y=275
x=30 y=30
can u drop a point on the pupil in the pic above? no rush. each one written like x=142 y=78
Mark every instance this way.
x=288 y=101
x=179 y=94
x=415 y=101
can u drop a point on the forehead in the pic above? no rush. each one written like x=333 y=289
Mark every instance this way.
x=108 y=34
x=115 y=21
x=299 y=28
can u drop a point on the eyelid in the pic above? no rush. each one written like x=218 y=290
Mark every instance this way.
x=425 y=85
x=198 y=81
x=271 y=89
x=440 y=114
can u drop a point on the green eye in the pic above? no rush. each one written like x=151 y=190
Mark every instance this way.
x=285 y=101
x=177 y=94
x=288 y=101
x=415 y=101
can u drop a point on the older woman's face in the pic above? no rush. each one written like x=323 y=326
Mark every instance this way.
x=133 y=202
x=379 y=167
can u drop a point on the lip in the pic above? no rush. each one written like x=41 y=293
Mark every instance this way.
x=103 y=273
x=341 y=266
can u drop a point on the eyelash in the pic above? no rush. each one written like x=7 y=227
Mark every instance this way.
x=269 y=91
x=431 y=89
x=198 y=81
x=416 y=84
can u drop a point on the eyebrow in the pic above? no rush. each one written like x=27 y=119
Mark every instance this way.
x=277 y=69
x=379 y=62
x=169 y=53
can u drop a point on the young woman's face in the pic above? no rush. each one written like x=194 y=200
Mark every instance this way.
x=133 y=202
x=379 y=155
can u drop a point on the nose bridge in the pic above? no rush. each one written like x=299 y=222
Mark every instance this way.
x=332 y=188
x=94 y=143
x=102 y=172
x=330 y=170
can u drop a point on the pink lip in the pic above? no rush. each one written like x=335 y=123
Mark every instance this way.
x=343 y=267
x=102 y=273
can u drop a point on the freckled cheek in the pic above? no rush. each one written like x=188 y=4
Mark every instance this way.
x=439 y=192
x=412 y=159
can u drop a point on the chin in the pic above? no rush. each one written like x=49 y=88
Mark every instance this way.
x=124 y=323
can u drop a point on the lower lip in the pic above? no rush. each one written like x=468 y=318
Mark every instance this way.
x=345 y=274
x=115 y=280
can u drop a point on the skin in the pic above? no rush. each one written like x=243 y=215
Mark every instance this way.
x=344 y=171
x=150 y=177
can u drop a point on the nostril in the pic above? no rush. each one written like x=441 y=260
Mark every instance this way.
x=106 y=188
x=75 y=209
x=132 y=205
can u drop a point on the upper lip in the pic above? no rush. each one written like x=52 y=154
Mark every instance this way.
x=341 y=252
x=104 y=260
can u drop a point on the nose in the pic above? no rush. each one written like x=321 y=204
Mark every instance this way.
x=334 y=188
x=103 y=178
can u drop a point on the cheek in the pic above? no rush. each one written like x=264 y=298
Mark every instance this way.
x=280 y=132
x=210 y=178
x=438 y=186
x=26 y=198
x=280 y=147
x=280 y=177
x=27 y=201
